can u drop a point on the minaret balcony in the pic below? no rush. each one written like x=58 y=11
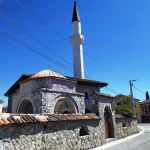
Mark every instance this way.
x=77 y=39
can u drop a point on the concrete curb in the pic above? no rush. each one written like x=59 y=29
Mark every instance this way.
x=118 y=141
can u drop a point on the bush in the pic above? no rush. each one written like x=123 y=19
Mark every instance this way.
x=117 y=109
x=126 y=111
x=126 y=107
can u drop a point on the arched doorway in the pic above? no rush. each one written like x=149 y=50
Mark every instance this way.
x=25 y=107
x=64 y=106
x=109 y=127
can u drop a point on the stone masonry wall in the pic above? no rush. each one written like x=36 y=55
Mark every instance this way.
x=125 y=127
x=51 y=136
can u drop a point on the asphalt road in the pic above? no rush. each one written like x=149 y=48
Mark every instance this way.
x=141 y=142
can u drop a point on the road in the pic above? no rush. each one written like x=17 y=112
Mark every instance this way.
x=141 y=142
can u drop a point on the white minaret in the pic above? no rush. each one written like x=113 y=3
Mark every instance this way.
x=77 y=41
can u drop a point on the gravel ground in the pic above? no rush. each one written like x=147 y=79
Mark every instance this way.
x=141 y=142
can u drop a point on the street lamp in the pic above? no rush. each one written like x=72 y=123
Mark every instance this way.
x=131 y=94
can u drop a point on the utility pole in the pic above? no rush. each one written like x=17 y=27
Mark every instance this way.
x=131 y=94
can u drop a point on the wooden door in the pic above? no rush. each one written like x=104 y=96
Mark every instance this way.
x=106 y=125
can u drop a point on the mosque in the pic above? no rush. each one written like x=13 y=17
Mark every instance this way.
x=48 y=92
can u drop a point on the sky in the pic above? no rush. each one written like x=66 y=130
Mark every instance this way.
x=117 y=34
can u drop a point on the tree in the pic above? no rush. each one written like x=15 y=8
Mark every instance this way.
x=126 y=107
x=147 y=95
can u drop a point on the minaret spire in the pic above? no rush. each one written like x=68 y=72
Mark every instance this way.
x=77 y=41
x=75 y=16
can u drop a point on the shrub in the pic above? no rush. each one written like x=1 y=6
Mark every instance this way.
x=126 y=107
x=126 y=111
x=117 y=109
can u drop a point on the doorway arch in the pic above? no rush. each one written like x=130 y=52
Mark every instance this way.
x=64 y=106
x=108 y=120
x=25 y=107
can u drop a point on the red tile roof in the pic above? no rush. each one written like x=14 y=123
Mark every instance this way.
x=145 y=102
x=5 y=107
x=6 y=118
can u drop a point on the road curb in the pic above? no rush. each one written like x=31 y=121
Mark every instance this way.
x=107 y=145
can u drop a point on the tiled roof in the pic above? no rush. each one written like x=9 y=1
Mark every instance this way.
x=5 y=107
x=47 y=73
x=145 y=102
x=6 y=118
x=102 y=94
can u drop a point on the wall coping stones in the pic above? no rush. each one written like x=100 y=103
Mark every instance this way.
x=118 y=116
x=6 y=118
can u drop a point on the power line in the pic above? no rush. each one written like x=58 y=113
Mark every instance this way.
x=138 y=90
x=113 y=91
x=34 y=50
x=61 y=37
x=40 y=53
x=17 y=25
x=29 y=11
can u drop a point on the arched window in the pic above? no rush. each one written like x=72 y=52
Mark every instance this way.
x=86 y=95
x=84 y=131
x=64 y=106
x=66 y=112
x=25 y=107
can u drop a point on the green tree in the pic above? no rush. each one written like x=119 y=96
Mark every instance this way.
x=147 y=95
x=126 y=107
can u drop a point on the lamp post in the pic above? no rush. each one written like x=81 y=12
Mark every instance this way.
x=131 y=94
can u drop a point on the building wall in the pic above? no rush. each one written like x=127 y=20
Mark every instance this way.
x=138 y=110
x=145 y=112
x=104 y=102
x=1 y=107
x=44 y=94
x=90 y=90
x=50 y=98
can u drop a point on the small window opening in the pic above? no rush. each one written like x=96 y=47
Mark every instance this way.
x=84 y=131
x=87 y=111
x=124 y=124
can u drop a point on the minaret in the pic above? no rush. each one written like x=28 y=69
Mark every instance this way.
x=77 y=41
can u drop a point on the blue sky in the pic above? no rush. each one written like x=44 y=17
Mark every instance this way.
x=117 y=34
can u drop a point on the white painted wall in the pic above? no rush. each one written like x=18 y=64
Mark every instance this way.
x=76 y=28
x=1 y=106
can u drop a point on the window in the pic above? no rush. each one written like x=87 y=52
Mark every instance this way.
x=84 y=131
x=118 y=104
x=124 y=124
x=86 y=95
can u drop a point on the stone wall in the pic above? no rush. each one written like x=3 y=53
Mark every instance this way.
x=126 y=127
x=51 y=136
